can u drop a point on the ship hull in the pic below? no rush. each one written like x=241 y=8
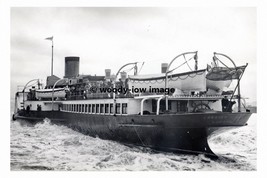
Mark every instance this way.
x=179 y=133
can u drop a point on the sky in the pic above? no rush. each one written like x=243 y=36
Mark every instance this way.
x=109 y=37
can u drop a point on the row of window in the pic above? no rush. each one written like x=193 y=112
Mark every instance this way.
x=121 y=108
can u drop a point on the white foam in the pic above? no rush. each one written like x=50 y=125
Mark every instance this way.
x=49 y=146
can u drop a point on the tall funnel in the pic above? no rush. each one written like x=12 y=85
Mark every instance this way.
x=71 y=66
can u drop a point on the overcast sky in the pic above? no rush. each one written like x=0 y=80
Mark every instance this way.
x=110 y=37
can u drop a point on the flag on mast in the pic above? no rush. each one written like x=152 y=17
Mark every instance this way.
x=49 y=38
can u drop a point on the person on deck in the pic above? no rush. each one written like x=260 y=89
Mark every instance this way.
x=225 y=103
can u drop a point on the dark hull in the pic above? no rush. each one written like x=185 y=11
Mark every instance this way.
x=186 y=133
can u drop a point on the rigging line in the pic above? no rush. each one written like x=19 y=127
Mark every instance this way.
x=160 y=81
x=192 y=76
x=128 y=70
x=187 y=63
x=154 y=82
x=173 y=79
x=183 y=78
x=244 y=105
x=222 y=63
x=146 y=82
x=179 y=66
x=141 y=67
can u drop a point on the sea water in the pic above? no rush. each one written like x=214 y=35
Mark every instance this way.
x=46 y=146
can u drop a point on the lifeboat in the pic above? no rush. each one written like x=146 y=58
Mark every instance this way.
x=47 y=93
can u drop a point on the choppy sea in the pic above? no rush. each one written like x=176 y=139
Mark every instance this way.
x=46 y=146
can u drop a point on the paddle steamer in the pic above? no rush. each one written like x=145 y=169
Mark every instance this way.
x=198 y=106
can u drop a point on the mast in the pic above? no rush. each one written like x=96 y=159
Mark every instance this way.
x=52 y=58
x=51 y=39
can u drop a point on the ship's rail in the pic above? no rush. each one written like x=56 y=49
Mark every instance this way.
x=202 y=97
x=96 y=96
x=129 y=95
